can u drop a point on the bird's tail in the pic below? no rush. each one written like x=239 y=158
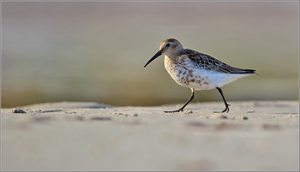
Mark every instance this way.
x=248 y=71
x=243 y=71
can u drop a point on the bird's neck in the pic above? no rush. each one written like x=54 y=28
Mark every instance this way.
x=171 y=60
x=169 y=63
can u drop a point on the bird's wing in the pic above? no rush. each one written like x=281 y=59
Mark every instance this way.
x=209 y=63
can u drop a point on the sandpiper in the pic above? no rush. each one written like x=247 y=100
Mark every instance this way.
x=196 y=70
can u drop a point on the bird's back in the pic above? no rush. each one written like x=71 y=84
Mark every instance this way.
x=212 y=64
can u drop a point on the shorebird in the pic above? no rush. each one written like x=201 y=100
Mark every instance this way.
x=196 y=70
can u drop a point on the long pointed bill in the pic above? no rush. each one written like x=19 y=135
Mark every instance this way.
x=154 y=57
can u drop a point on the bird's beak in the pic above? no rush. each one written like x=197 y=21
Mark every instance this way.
x=154 y=57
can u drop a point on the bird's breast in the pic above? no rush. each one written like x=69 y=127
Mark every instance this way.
x=187 y=74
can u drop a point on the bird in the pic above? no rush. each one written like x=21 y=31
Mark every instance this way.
x=197 y=71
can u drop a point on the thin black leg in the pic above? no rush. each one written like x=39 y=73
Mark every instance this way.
x=226 y=104
x=181 y=109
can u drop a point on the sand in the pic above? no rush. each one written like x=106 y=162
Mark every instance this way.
x=92 y=136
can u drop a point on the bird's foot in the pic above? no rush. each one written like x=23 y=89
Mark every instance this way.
x=173 y=111
x=225 y=110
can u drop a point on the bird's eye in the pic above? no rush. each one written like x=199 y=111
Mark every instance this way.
x=168 y=45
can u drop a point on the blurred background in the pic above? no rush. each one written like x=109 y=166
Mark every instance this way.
x=95 y=51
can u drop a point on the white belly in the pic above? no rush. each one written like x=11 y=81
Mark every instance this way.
x=190 y=76
x=213 y=79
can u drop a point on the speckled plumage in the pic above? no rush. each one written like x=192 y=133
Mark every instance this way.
x=209 y=63
x=196 y=70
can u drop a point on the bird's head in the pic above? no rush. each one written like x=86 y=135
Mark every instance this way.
x=168 y=47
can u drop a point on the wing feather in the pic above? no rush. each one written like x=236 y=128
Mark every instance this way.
x=210 y=63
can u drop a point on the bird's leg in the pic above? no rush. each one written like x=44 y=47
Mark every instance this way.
x=226 y=104
x=181 y=109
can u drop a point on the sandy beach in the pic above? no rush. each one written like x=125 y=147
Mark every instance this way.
x=261 y=135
